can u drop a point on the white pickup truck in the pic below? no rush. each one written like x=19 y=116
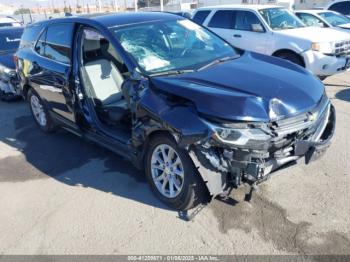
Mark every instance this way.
x=275 y=31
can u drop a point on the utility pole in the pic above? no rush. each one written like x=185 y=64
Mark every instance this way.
x=135 y=3
x=115 y=6
x=99 y=6
x=161 y=6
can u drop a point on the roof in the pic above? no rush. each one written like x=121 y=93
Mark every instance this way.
x=247 y=6
x=119 y=19
x=314 y=11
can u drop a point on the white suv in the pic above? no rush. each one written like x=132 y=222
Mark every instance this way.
x=275 y=31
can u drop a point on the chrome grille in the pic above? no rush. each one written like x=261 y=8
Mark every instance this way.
x=342 y=48
x=302 y=121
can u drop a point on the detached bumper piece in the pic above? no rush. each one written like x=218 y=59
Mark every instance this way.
x=9 y=90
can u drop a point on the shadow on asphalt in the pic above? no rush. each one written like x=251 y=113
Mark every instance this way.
x=343 y=95
x=75 y=162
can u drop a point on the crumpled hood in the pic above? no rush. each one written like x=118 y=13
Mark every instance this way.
x=316 y=34
x=6 y=59
x=253 y=87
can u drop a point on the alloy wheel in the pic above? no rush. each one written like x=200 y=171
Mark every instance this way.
x=38 y=110
x=167 y=171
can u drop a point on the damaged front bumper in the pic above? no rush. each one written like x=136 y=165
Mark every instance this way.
x=222 y=167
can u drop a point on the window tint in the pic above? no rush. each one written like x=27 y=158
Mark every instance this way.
x=341 y=7
x=30 y=35
x=222 y=19
x=245 y=20
x=58 y=42
x=40 y=45
x=200 y=16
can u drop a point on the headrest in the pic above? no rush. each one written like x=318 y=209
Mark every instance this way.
x=91 y=45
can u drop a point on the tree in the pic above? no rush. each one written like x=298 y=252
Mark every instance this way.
x=56 y=11
x=22 y=11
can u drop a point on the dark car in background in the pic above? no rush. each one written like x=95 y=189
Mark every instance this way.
x=340 y=6
x=9 y=41
x=198 y=115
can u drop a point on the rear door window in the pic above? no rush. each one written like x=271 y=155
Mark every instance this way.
x=58 y=42
x=222 y=19
x=244 y=20
x=200 y=16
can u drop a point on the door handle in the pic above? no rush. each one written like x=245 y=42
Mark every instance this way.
x=236 y=35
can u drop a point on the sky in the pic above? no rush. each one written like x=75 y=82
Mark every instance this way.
x=33 y=3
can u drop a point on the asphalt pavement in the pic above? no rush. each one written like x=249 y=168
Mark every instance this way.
x=60 y=194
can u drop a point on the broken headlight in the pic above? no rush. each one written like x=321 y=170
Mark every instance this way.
x=241 y=135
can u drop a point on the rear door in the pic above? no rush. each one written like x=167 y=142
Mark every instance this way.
x=248 y=32
x=222 y=23
x=51 y=69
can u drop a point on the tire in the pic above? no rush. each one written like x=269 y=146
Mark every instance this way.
x=39 y=112
x=291 y=57
x=192 y=188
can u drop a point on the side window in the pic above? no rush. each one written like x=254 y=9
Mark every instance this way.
x=30 y=35
x=40 y=44
x=247 y=21
x=58 y=42
x=341 y=7
x=311 y=20
x=200 y=16
x=222 y=19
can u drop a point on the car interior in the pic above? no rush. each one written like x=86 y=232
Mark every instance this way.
x=103 y=74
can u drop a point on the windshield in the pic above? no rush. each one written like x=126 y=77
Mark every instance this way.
x=172 y=45
x=280 y=19
x=9 y=39
x=335 y=19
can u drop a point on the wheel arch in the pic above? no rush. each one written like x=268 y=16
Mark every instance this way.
x=288 y=51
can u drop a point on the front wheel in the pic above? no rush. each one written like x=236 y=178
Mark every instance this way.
x=291 y=58
x=172 y=174
x=39 y=112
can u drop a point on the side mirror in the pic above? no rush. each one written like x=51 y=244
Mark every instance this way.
x=258 y=28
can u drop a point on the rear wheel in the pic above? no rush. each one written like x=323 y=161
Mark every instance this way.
x=291 y=57
x=40 y=112
x=172 y=174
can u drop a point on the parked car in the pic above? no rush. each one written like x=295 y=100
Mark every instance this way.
x=340 y=6
x=9 y=21
x=185 y=14
x=275 y=31
x=9 y=41
x=322 y=18
x=198 y=115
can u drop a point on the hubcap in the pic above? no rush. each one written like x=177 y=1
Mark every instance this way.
x=38 y=110
x=167 y=171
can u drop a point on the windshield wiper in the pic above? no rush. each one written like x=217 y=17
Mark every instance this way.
x=218 y=61
x=172 y=72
